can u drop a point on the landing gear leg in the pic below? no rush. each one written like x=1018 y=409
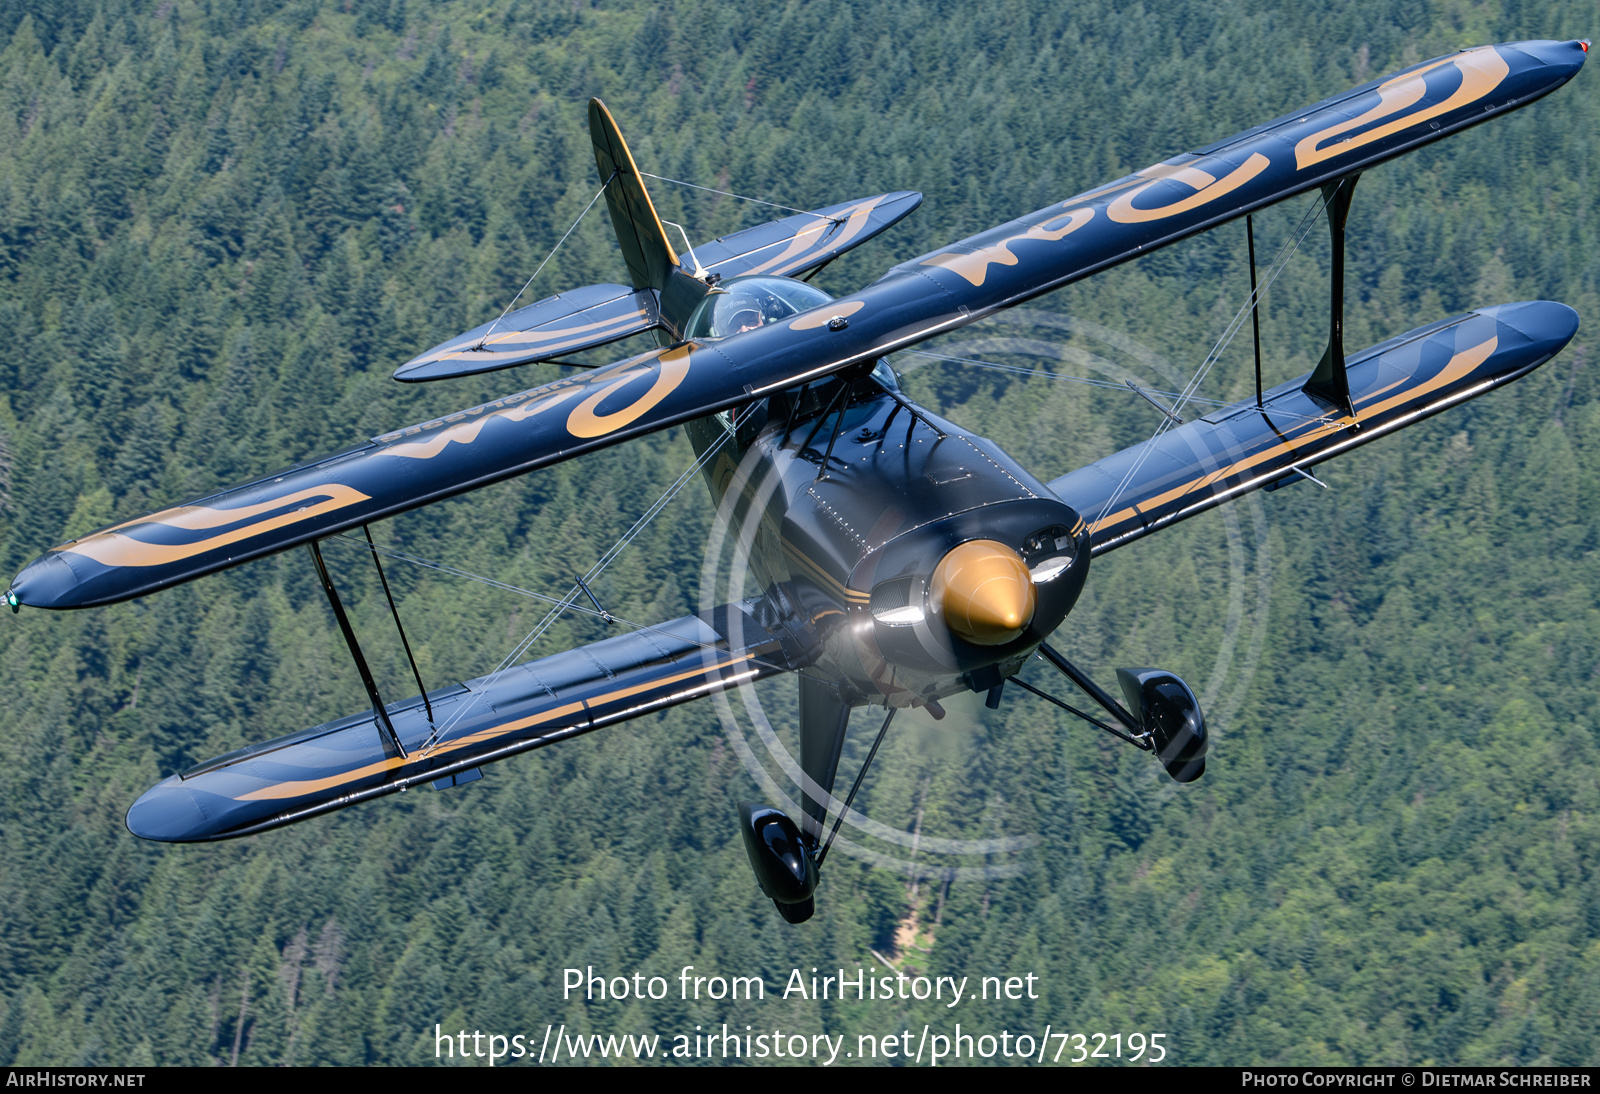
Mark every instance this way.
x=785 y=859
x=1162 y=716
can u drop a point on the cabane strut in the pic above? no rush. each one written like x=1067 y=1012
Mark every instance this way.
x=1329 y=382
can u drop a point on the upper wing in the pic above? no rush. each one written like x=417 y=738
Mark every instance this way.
x=1198 y=190
x=552 y=699
x=915 y=301
x=425 y=463
x=1200 y=465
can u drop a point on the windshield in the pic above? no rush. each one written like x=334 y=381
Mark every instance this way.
x=746 y=303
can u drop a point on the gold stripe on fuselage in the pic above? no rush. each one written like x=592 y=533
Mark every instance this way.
x=830 y=583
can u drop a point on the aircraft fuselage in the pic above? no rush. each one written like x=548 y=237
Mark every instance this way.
x=915 y=565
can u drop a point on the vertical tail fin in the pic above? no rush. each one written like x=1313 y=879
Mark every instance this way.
x=644 y=243
x=652 y=261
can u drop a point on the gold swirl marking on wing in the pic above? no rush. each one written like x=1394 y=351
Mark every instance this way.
x=855 y=218
x=113 y=548
x=822 y=314
x=671 y=367
x=1207 y=188
x=1482 y=70
x=974 y=266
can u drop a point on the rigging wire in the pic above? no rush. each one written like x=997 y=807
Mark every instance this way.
x=725 y=193
x=1090 y=381
x=545 y=598
x=485 y=339
x=1187 y=395
x=568 y=601
x=1254 y=299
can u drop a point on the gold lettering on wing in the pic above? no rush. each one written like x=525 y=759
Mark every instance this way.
x=670 y=369
x=1207 y=188
x=465 y=432
x=1482 y=70
x=974 y=266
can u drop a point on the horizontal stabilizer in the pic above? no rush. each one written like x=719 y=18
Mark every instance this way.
x=568 y=323
x=794 y=245
x=552 y=699
x=599 y=314
x=1240 y=448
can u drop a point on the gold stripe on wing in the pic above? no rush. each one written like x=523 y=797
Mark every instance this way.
x=299 y=787
x=589 y=704
x=465 y=432
x=1458 y=367
x=534 y=341
x=114 y=548
x=671 y=367
x=1207 y=187
x=974 y=265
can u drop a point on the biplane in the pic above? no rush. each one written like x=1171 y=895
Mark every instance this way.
x=901 y=559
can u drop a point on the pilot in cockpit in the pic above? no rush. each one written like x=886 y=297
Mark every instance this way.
x=749 y=303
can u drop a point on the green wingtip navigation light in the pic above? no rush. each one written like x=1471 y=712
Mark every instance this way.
x=11 y=598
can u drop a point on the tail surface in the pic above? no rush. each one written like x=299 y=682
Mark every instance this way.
x=652 y=261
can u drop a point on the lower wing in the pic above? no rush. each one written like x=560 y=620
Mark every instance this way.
x=1243 y=447
x=341 y=763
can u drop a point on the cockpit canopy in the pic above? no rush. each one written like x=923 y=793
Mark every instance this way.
x=746 y=303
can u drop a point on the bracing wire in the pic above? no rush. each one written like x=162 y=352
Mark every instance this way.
x=725 y=193
x=1254 y=299
x=543 y=598
x=568 y=602
x=1187 y=395
x=1114 y=385
x=484 y=340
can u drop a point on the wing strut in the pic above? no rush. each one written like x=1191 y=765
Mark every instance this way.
x=1329 y=383
x=1255 y=300
x=394 y=611
x=391 y=739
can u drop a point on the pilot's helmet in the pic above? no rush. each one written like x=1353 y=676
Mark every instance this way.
x=741 y=312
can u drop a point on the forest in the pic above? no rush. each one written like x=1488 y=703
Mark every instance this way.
x=224 y=224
